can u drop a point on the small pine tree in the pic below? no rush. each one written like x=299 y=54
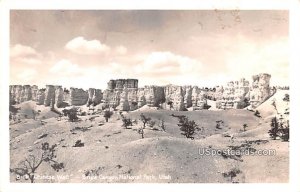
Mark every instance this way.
x=274 y=105
x=126 y=122
x=141 y=131
x=284 y=132
x=273 y=132
x=72 y=114
x=107 y=115
x=30 y=165
x=286 y=98
x=187 y=127
x=144 y=120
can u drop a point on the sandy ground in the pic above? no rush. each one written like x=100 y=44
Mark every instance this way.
x=112 y=153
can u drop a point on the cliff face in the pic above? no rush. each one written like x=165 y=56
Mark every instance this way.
x=175 y=97
x=260 y=90
x=78 y=96
x=94 y=96
x=234 y=95
x=20 y=93
x=125 y=95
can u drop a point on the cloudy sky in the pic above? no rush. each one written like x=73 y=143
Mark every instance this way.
x=205 y=48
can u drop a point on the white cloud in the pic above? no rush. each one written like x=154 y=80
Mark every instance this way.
x=250 y=58
x=65 y=67
x=27 y=75
x=121 y=50
x=82 y=46
x=22 y=51
x=167 y=67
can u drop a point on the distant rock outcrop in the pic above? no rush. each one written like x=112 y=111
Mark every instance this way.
x=125 y=95
x=49 y=95
x=260 y=90
x=95 y=96
x=175 y=97
x=19 y=93
x=78 y=96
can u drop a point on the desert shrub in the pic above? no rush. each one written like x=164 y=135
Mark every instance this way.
x=274 y=105
x=284 y=131
x=83 y=129
x=141 y=132
x=126 y=122
x=274 y=131
x=170 y=103
x=72 y=115
x=29 y=166
x=187 y=127
x=78 y=143
x=107 y=115
x=162 y=125
x=144 y=119
x=232 y=173
x=219 y=123
x=286 y=98
x=257 y=114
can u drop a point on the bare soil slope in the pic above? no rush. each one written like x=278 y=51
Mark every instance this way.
x=112 y=153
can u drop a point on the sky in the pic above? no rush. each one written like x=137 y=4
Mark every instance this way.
x=86 y=49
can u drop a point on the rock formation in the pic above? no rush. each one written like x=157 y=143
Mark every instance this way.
x=78 y=96
x=187 y=91
x=95 y=96
x=124 y=104
x=49 y=95
x=124 y=94
x=40 y=97
x=154 y=95
x=59 y=96
x=19 y=93
x=198 y=99
x=174 y=97
x=260 y=90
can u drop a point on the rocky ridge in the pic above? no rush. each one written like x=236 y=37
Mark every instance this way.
x=125 y=95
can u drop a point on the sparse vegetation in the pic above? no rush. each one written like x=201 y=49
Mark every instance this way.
x=232 y=173
x=274 y=105
x=286 y=98
x=141 y=132
x=78 y=143
x=126 y=122
x=257 y=114
x=285 y=133
x=244 y=127
x=170 y=103
x=219 y=123
x=71 y=113
x=83 y=129
x=187 y=127
x=107 y=115
x=29 y=166
x=144 y=120
x=162 y=125
x=274 y=131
